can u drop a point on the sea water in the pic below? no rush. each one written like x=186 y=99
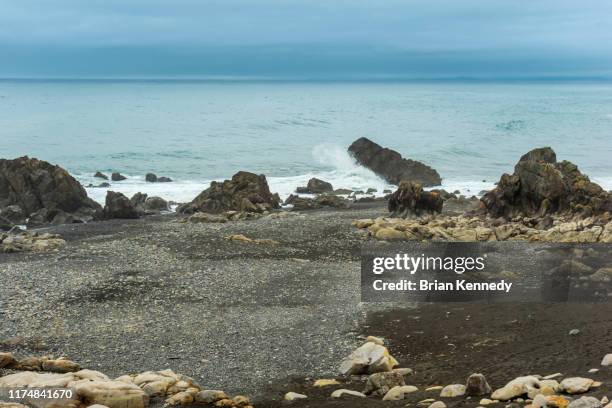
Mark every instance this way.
x=198 y=131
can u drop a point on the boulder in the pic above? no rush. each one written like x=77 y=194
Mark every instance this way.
x=516 y=388
x=7 y=360
x=410 y=198
x=138 y=202
x=36 y=188
x=151 y=177
x=316 y=186
x=113 y=394
x=390 y=165
x=118 y=177
x=164 y=179
x=244 y=192
x=119 y=206
x=379 y=384
x=210 y=396
x=30 y=241
x=477 y=385
x=101 y=175
x=585 y=402
x=368 y=358
x=453 y=390
x=398 y=392
x=576 y=385
x=607 y=360
x=155 y=205
x=542 y=186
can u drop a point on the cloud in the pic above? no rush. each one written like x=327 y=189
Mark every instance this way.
x=393 y=30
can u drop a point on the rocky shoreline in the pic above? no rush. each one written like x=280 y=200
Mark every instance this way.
x=238 y=294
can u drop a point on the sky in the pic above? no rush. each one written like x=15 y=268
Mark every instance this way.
x=337 y=39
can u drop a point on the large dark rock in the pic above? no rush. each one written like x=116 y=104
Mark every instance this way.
x=119 y=206
x=315 y=186
x=244 y=192
x=118 y=177
x=541 y=186
x=390 y=165
x=44 y=192
x=410 y=198
x=323 y=200
x=101 y=175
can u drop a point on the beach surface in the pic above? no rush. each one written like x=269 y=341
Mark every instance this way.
x=260 y=319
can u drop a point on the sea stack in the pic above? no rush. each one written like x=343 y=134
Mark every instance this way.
x=391 y=166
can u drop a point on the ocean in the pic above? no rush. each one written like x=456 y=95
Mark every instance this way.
x=198 y=131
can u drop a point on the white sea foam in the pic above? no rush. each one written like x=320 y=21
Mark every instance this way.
x=343 y=172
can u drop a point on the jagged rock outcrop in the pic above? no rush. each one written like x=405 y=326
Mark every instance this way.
x=390 y=165
x=45 y=193
x=410 y=198
x=246 y=192
x=540 y=186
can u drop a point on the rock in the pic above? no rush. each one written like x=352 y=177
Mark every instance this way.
x=434 y=388
x=363 y=223
x=398 y=392
x=375 y=340
x=371 y=190
x=380 y=383
x=186 y=397
x=343 y=191
x=323 y=200
x=343 y=392
x=367 y=359
x=556 y=401
x=290 y=396
x=119 y=206
x=7 y=360
x=30 y=241
x=241 y=401
x=542 y=186
x=585 y=402
x=516 y=388
x=60 y=366
x=113 y=394
x=118 y=177
x=576 y=385
x=39 y=188
x=574 y=332
x=101 y=175
x=453 y=390
x=210 y=396
x=244 y=192
x=204 y=217
x=151 y=177
x=155 y=205
x=164 y=179
x=593 y=370
x=390 y=234
x=437 y=404
x=477 y=385
x=486 y=401
x=316 y=186
x=403 y=371
x=410 y=198
x=245 y=239
x=607 y=360
x=390 y=165
x=325 y=382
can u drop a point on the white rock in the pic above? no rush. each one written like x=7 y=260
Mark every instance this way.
x=515 y=388
x=398 y=392
x=342 y=392
x=368 y=358
x=453 y=390
x=585 y=402
x=574 y=332
x=290 y=396
x=376 y=340
x=576 y=385
x=607 y=360
x=539 y=401
x=551 y=376
x=438 y=404
x=593 y=370
x=486 y=401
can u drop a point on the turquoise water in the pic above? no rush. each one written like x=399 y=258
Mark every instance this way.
x=195 y=132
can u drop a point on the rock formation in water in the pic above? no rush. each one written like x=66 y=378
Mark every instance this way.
x=390 y=165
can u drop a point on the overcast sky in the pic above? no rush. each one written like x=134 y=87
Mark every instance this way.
x=317 y=38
